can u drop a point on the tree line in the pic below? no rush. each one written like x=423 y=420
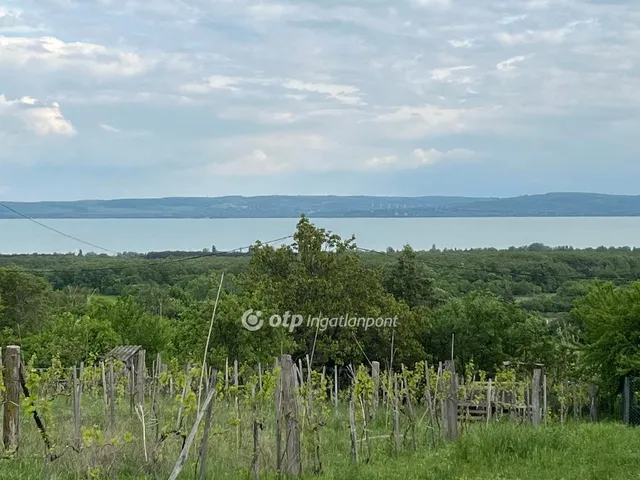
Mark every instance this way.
x=577 y=312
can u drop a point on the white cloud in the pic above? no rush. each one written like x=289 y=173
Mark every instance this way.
x=53 y=53
x=428 y=118
x=109 y=128
x=512 y=19
x=329 y=85
x=429 y=3
x=432 y=156
x=509 y=64
x=377 y=162
x=537 y=4
x=419 y=158
x=346 y=94
x=123 y=133
x=214 y=82
x=264 y=116
x=255 y=163
x=270 y=11
x=464 y=43
x=272 y=153
x=557 y=35
x=445 y=74
x=343 y=93
x=12 y=21
x=41 y=118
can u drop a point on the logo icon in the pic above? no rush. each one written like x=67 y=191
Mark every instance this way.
x=252 y=321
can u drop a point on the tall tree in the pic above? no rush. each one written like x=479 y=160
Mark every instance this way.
x=24 y=300
x=410 y=280
x=611 y=319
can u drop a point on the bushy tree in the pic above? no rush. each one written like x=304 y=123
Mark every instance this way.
x=322 y=276
x=24 y=300
x=611 y=320
x=488 y=331
x=410 y=280
x=72 y=338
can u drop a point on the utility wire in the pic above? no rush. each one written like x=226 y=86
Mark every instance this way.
x=152 y=264
x=194 y=257
x=55 y=230
x=238 y=249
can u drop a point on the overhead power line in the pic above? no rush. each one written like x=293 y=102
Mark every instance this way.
x=119 y=267
x=152 y=263
x=56 y=230
x=164 y=262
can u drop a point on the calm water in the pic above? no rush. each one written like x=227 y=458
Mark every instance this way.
x=23 y=236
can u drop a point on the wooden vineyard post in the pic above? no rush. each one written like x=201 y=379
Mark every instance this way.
x=132 y=386
x=290 y=461
x=256 y=426
x=593 y=403
x=204 y=447
x=140 y=371
x=626 y=401
x=375 y=375
x=105 y=392
x=75 y=398
x=300 y=378
x=352 y=429
x=489 y=407
x=81 y=376
x=430 y=403
x=396 y=415
x=335 y=387
x=235 y=374
x=452 y=402
x=544 y=398
x=226 y=375
x=185 y=389
x=535 y=397
x=112 y=397
x=10 y=431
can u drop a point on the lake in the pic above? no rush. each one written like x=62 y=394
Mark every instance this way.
x=24 y=236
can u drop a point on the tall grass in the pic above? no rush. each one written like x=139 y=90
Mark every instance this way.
x=497 y=451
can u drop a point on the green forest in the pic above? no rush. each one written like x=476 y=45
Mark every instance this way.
x=577 y=312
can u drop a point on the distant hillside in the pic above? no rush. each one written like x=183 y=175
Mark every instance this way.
x=551 y=204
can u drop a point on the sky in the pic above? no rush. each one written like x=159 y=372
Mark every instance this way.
x=155 y=98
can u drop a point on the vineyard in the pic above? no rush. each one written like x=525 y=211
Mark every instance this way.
x=148 y=419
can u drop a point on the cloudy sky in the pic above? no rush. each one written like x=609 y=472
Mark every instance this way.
x=137 y=98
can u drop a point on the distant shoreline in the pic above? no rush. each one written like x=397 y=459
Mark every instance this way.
x=322 y=216
x=283 y=206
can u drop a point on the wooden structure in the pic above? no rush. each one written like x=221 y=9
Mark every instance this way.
x=125 y=354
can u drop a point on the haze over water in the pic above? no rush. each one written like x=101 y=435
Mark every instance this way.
x=23 y=236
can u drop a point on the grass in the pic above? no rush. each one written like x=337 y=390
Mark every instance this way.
x=499 y=451
x=108 y=298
